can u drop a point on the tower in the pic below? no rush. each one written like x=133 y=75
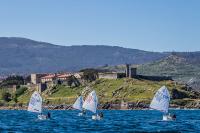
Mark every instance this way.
x=133 y=72
x=127 y=70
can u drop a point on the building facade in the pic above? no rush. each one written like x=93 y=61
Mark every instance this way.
x=129 y=73
x=36 y=78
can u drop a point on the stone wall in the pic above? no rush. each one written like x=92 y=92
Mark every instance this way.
x=108 y=75
x=154 y=78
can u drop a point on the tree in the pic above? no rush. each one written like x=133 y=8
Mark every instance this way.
x=72 y=81
x=20 y=91
x=90 y=74
x=14 y=97
x=12 y=80
x=27 y=79
x=6 y=96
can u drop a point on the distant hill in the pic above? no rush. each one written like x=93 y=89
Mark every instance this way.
x=21 y=56
x=181 y=66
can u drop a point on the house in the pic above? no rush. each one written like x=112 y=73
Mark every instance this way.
x=110 y=75
x=129 y=72
x=63 y=77
x=56 y=77
x=78 y=75
x=48 y=78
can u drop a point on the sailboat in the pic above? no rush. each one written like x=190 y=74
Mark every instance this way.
x=78 y=105
x=35 y=105
x=91 y=103
x=160 y=102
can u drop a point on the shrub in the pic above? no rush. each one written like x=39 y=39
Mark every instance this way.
x=90 y=74
x=178 y=94
x=15 y=99
x=6 y=96
x=20 y=91
x=12 y=80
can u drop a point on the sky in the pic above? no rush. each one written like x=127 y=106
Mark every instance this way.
x=152 y=25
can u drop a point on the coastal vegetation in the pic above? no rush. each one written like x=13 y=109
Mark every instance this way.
x=12 y=80
x=180 y=66
x=111 y=91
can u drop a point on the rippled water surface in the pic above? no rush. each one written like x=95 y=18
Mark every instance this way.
x=114 y=121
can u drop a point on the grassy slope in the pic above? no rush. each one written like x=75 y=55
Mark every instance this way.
x=107 y=90
x=179 y=68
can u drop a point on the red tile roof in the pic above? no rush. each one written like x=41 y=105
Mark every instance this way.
x=48 y=76
x=64 y=75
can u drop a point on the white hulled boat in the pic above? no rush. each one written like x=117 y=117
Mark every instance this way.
x=91 y=103
x=35 y=105
x=161 y=101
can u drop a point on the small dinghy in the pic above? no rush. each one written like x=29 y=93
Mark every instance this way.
x=161 y=101
x=35 y=105
x=91 y=103
x=79 y=105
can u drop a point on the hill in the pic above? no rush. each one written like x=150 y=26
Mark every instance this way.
x=181 y=66
x=21 y=56
x=113 y=91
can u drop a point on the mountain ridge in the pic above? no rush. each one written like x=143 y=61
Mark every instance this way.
x=181 y=66
x=21 y=56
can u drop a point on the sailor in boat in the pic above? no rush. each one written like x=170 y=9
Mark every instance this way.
x=35 y=105
x=48 y=115
x=161 y=101
x=173 y=117
x=44 y=117
x=101 y=115
x=83 y=112
x=169 y=117
x=98 y=116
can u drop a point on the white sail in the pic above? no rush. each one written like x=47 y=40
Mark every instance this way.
x=78 y=104
x=35 y=104
x=91 y=102
x=161 y=100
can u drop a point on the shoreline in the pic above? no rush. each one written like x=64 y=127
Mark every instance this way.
x=102 y=106
x=49 y=108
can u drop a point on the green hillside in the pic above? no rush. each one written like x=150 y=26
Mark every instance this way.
x=128 y=90
x=180 y=68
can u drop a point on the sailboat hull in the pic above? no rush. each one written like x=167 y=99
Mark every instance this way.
x=167 y=118
x=42 y=117
x=96 y=117
x=80 y=114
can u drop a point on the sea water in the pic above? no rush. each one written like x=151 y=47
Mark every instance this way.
x=113 y=121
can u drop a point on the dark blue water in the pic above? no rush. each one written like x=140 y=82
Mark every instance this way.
x=114 y=121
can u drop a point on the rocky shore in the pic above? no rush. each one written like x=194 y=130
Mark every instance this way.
x=105 y=106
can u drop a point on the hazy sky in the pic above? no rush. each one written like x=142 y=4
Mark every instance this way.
x=154 y=25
